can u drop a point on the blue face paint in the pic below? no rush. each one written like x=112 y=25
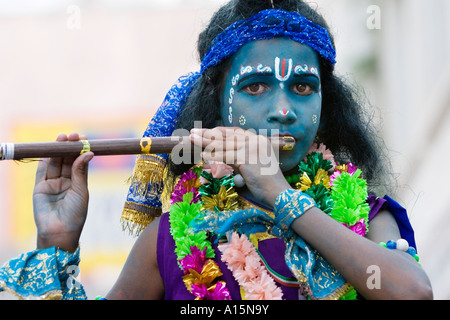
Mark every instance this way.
x=275 y=85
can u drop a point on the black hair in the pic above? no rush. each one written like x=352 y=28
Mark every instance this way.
x=346 y=127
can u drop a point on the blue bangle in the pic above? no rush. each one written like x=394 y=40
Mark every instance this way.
x=290 y=205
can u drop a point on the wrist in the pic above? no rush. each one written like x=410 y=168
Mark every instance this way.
x=289 y=206
x=273 y=188
x=64 y=243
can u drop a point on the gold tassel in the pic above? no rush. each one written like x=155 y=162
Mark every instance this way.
x=149 y=169
x=136 y=217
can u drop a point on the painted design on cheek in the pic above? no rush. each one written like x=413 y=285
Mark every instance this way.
x=242 y=120
x=314 y=118
x=230 y=99
x=230 y=108
x=283 y=71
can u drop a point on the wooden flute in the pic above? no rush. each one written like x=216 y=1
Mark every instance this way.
x=109 y=147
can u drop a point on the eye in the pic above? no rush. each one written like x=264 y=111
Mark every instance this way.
x=255 y=89
x=303 y=89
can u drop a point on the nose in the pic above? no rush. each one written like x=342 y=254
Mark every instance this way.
x=283 y=114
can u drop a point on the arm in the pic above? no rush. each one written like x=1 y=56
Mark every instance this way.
x=401 y=276
x=140 y=277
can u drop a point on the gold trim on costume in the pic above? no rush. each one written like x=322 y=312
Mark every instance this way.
x=51 y=295
x=246 y=204
x=136 y=217
x=339 y=292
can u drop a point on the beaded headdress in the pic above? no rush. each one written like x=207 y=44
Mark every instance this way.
x=143 y=202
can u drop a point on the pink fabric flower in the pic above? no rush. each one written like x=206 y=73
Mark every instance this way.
x=263 y=288
x=187 y=183
x=195 y=260
x=351 y=168
x=220 y=292
x=359 y=227
x=247 y=268
x=217 y=169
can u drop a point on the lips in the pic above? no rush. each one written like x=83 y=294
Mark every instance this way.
x=287 y=136
x=288 y=141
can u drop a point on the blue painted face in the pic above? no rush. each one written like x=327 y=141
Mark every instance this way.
x=275 y=85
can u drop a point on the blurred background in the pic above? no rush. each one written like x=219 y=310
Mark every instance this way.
x=102 y=67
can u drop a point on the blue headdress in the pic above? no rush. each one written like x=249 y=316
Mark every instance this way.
x=143 y=202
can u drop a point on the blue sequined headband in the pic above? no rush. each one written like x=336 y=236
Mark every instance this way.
x=269 y=24
x=143 y=201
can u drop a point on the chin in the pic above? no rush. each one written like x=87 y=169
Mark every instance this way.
x=289 y=163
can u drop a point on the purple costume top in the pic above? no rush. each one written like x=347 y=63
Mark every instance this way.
x=271 y=249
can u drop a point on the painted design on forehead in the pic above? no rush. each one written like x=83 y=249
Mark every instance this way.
x=263 y=69
x=304 y=68
x=244 y=70
x=283 y=71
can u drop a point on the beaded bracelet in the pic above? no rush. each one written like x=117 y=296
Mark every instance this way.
x=401 y=245
x=290 y=205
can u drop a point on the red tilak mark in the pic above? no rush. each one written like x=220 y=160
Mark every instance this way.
x=284 y=111
x=283 y=68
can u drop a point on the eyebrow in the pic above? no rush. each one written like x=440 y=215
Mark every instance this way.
x=306 y=74
x=254 y=74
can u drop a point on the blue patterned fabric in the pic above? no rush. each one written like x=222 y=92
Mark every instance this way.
x=43 y=274
x=266 y=24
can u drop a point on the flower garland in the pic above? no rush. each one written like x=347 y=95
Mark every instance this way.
x=338 y=190
x=245 y=264
x=194 y=251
